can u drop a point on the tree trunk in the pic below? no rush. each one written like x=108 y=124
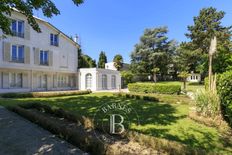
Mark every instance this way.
x=154 y=78
x=184 y=84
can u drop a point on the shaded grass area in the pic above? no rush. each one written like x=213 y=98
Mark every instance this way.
x=159 y=119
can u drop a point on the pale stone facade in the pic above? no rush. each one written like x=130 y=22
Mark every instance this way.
x=31 y=61
x=99 y=79
x=194 y=77
x=46 y=61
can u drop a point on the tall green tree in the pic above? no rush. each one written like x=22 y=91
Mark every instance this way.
x=102 y=60
x=26 y=7
x=207 y=25
x=187 y=59
x=153 y=51
x=85 y=61
x=118 y=61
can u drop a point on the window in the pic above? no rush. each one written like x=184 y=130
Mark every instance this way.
x=63 y=81
x=43 y=57
x=16 y=80
x=43 y=81
x=54 y=40
x=88 y=80
x=104 y=81
x=113 y=82
x=17 y=28
x=17 y=53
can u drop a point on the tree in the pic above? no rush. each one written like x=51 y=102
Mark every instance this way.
x=127 y=77
x=184 y=75
x=155 y=71
x=85 y=61
x=118 y=61
x=207 y=25
x=153 y=51
x=102 y=60
x=26 y=7
x=187 y=59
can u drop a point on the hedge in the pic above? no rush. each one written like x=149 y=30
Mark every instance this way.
x=145 y=97
x=79 y=136
x=224 y=88
x=154 y=88
x=44 y=94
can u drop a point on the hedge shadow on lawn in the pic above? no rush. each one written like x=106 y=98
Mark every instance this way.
x=149 y=113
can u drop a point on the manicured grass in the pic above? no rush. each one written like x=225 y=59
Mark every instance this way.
x=167 y=119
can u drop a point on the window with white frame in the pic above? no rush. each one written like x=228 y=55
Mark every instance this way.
x=88 y=80
x=63 y=81
x=43 y=81
x=44 y=57
x=113 y=81
x=16 y=80
x=17 y=28
x=54 y=39
x=17 y=53
x=104 y=81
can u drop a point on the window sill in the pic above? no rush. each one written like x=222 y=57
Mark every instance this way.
x=43 y=64
x=54 y=45
x=21 y=62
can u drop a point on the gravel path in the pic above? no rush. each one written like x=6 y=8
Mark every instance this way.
x=21 y=137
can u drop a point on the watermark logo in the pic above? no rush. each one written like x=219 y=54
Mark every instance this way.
x=114 y=120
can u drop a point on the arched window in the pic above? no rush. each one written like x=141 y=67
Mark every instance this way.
x=113 y=82
x=104 y=81
x=88 y=81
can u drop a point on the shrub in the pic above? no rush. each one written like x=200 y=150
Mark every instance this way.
x=206 y=83
x=137 y=96
x=127 y=77
x=85 y=121
x=207 y=103
x=44 y=94
x=154 y=88
x=77 y=135
x=224 y=88
x=194 y=83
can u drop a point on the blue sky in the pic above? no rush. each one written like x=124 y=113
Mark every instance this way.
x=116 y=26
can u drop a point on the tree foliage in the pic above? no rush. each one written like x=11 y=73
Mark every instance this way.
x=184 y=75
x=127 y=77
x=26 y=7
x=85 y=61
x=193 y=56
x=153 y=51
x=102 y=60
x=118 y=61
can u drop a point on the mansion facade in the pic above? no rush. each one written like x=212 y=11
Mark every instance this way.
x=46 y=61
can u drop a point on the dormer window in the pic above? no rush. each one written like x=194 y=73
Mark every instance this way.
x=54 y=39
x=17 y=28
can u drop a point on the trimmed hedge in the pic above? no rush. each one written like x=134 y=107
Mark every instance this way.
x=224 y=88
x=137 y=96
x=154 y=88
x=85 y=121
x=77 y=135
x=44 y=94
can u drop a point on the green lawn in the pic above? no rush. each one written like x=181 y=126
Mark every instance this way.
x=165 y=120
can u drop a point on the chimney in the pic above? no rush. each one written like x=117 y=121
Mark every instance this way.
x=76 y=38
